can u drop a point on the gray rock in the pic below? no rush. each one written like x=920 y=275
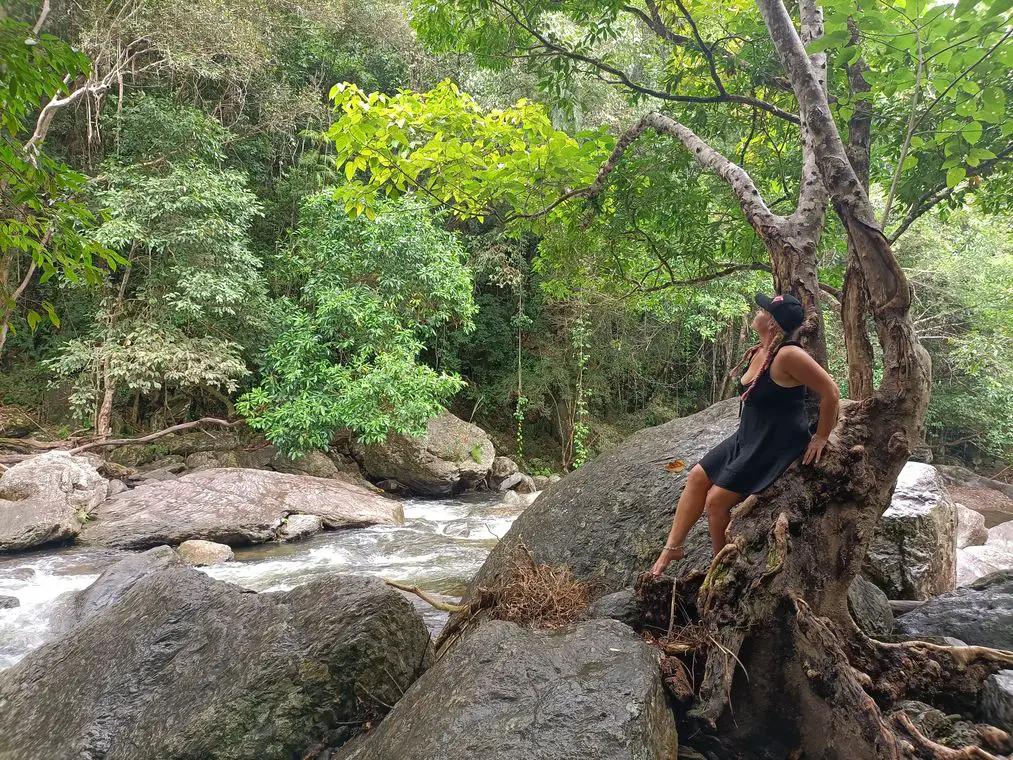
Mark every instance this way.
x=609 y=519
x=159 y=475
x=913 y=554
x=453 y=456
x=46 y=498
x=518 y=482
x=997 y=700
x=980 y=614
x=870 y=608
x=314 y=463
x=199 y=553
x=971 y=530
x=540 y=481
x=211 y=460
x=185 y=666
x=296 y=527
x=116 y=487
x=110 y=586
x=507 y=693
x=1001 y=536
x=554 y=478
x=173 y=464
x=231 y=506
x=976 y=562
x=961 y=476
x=9 y=602
x=516 y=499
x=620 y=605
x=502 y=468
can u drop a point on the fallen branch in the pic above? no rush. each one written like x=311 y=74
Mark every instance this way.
x=442 y=606
x=155 y=436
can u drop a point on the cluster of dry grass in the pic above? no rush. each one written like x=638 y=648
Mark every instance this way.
x=539 y=596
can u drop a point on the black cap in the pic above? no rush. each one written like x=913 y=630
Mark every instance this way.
x=786 y=310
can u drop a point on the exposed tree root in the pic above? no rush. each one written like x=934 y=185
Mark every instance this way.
x=952 y=676
x=929 y=750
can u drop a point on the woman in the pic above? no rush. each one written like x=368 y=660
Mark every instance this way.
x=773 y=429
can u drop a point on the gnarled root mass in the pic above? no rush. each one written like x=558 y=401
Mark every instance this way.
x=766 y=645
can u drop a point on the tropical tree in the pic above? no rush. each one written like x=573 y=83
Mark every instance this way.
x=371 y=292
x=778 y=591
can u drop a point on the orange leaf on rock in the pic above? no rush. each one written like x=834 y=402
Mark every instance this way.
x=676 y=465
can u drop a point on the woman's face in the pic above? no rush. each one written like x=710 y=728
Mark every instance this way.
x=762 y=322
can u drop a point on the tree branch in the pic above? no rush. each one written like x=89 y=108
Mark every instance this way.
x=155 y=436
x=622 y=78
x=934 y=197
x=707 y=52
x=42 y=17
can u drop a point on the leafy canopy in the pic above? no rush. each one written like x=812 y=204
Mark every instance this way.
x=347 y=355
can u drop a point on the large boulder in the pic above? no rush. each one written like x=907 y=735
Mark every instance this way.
x=997 y=700
x=109 y=587
x=913 y=554
x=607 y=521
x=974 y=562
x=46 y=499
x=231 y=506
x=514 y=694
x=979 y=614
x=183 y=666
x=453 y=456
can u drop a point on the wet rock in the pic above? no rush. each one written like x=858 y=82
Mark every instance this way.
x=110 y=586
x=913 y=554
x=202 y=553
x=591 y=691
x=517 y=499
x=9 y=602
x=609 y=519
x=621 y=605
x=22 y=573
x=392 y=486
x=45 y=499
x=231 y=506
x=297 y=527
x=997 y=700
x=453 y=456
x=971 y=530
x=518 y=482
x=980 y=614
x=870 y=608
x=187 y=666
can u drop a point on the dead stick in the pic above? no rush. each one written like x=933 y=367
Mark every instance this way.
x=442 y=606
x=155 y=436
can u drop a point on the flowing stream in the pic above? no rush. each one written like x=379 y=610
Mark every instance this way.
x=440 y=546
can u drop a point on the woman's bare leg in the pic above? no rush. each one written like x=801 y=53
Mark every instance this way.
x=688 y=511
x=719 y=502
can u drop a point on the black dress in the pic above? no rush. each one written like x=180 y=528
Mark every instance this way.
x=773 y=432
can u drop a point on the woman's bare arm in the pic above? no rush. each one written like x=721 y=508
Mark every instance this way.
x=795 y=362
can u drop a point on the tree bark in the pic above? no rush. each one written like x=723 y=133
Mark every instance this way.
x=781 y=647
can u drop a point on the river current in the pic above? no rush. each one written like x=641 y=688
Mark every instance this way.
x=440 y=546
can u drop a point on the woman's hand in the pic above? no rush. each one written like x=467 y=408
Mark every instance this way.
x=815 y=451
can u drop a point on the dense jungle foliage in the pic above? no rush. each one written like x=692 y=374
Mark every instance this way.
x=340 y=214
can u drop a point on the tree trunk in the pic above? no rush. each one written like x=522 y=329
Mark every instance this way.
x=102 y=422
x=781 y=647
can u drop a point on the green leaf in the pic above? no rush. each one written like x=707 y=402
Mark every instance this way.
x=955 y=176
x=33 y=317
x=972 y=132
x=909 y=163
